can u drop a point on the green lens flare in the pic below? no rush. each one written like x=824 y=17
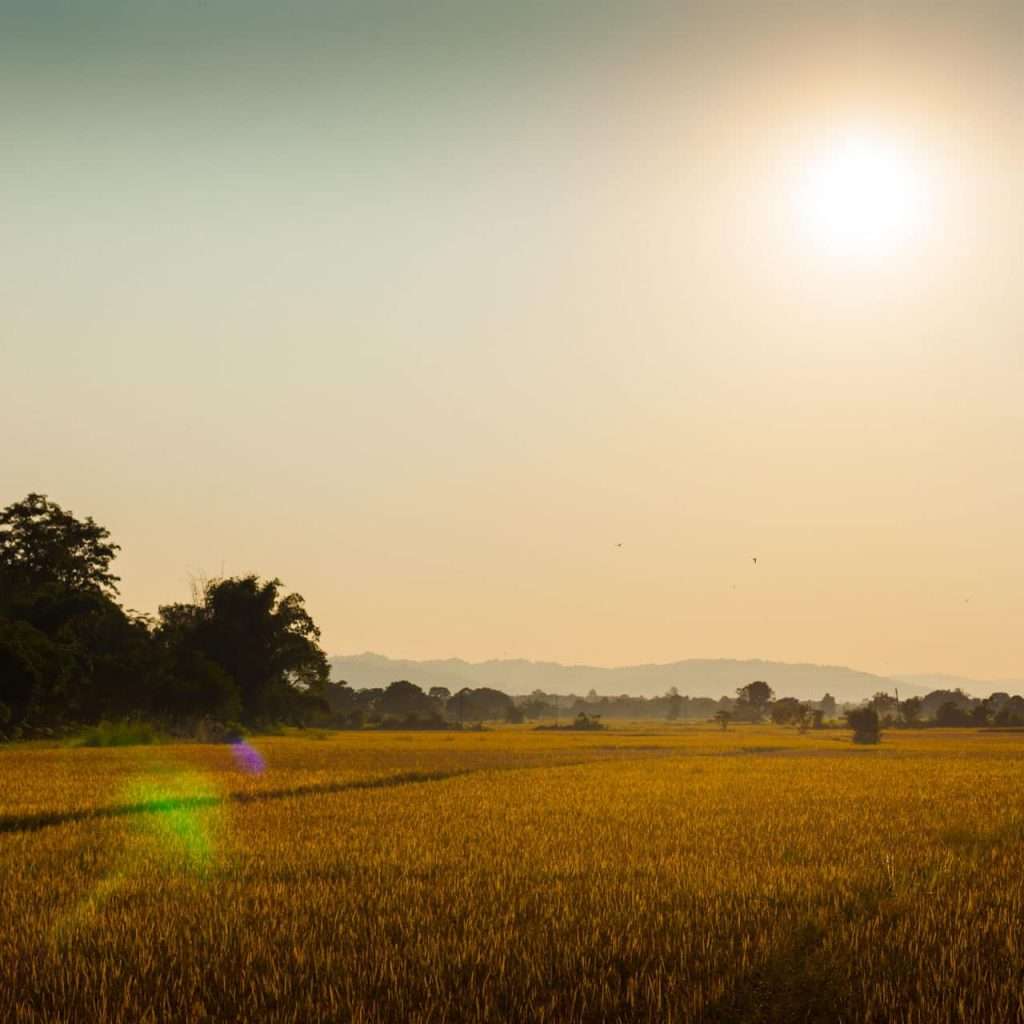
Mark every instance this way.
x=183 y=812
x=173 y=824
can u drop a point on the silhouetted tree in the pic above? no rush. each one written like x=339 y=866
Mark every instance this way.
x=786 y=711
x=1011 y=713
x=514 y=715
x=535 y=708
x=910 y=710
x=931 y=702
x=68 y=651
x=479 y=705
x=952 y=715
x=752 y=701
x=41 y=545
x=981 y=713
x=190 y=686
x=403 y=698
x=885 y=705
x=265 y=641
x=675 y=704
x=30 y=665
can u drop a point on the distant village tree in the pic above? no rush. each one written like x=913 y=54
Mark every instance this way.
x=786 y=711
x=981 y=713
x=885 y=705
x=952 y=715
x=675 y=704
x=752 y=701
x=405 y=699
x=910 y=710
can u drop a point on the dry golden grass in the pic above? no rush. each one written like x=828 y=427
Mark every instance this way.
x=644 y=874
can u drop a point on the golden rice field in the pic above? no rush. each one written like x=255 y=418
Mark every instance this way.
x=641 y=874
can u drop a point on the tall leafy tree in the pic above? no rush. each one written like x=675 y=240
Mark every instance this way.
x=41 y=544
x=263 y=640
x=753 y=700
x=67 y=648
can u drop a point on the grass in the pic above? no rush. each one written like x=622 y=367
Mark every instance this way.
x=646 y=874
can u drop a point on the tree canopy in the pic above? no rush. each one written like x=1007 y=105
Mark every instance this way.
x=42 y=544
x=262 y=640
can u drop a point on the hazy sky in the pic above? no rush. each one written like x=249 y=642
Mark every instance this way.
x=426 y=307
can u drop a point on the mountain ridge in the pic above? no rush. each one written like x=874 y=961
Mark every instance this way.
x=694 y=677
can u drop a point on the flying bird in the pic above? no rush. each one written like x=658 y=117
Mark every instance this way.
x=755 y=561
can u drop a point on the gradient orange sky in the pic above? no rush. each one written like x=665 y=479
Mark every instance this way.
x=427 y=308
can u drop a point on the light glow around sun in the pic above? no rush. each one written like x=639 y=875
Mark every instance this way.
x=862 y=196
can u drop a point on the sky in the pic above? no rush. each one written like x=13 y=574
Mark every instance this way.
x=522 y=329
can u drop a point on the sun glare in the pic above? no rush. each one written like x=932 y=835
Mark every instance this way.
x=860 y=196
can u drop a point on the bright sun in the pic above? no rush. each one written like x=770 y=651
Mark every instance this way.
x=862 y=195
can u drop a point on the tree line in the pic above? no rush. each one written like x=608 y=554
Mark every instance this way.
x=242 y=650
x=246 y=651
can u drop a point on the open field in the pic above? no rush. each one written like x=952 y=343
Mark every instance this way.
x=665 y=874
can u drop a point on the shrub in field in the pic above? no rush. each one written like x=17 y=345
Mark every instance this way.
x=581 y=723
x=210 y=730
x=117 y=734
x=865 y=725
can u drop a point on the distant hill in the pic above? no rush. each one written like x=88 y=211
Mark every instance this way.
x=694 y=678
x=974 y=687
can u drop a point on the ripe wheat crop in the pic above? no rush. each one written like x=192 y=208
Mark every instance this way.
x=646 y=874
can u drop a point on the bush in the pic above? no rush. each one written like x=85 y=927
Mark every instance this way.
x=117 y=734
x=865 y=725
x=582 y=723
x=210 y=730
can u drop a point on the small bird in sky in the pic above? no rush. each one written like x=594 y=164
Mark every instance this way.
x=619 y=545
x=755 y=561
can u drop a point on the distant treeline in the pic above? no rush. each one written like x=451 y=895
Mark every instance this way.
x=949 y=708
x=243 y=651
x=404 y=704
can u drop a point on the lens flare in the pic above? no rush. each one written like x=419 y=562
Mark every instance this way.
x=174 y=819
x=247 y=758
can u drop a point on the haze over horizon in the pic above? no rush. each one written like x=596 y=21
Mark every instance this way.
x=512 y=331
x=692 y=676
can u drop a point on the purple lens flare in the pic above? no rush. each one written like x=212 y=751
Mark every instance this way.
x=248 y=759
